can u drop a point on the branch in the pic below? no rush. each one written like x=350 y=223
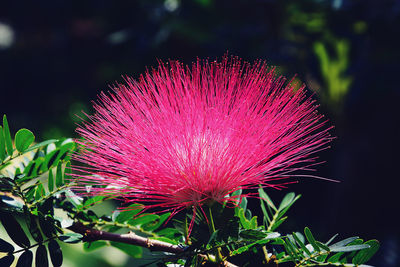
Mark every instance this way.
x=129 y=238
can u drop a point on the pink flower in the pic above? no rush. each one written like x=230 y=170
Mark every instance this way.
x=182 y=136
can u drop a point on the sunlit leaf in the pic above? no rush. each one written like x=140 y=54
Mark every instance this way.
x=128 y=213
x=7 y=136
x=23 y=139
x=2 y=145
x=41 y=144
x=50 y=182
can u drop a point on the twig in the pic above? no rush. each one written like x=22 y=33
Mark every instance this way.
x=129 y=238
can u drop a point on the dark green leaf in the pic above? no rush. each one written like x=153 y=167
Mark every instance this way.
x=323 y=246
x=14 y=230
x=47 y=226
x=71 y=238
x=59 y=176
x=252 y=234
x=2 y=145
x=41 y=144
x=128 y=213
x=5 y=246
x=47 y=206
x=88 y=247
x=311 y=239
x=34 y=229
x=6 y=261
x=50 y=183
x=7 y=136
x=296 y=237
x=366 y=254
x=41 y=259
x=55 y=253
x=349 y=248
x=336 y=257
x=67 y=172
x=131 y=250
x=23 y=139
x=25 y=260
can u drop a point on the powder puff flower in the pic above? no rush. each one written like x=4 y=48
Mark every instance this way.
x=184 y=136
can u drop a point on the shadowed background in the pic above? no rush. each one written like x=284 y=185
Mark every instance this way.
x=57 y=56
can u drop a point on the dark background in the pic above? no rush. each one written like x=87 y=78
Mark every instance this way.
x=56 y=56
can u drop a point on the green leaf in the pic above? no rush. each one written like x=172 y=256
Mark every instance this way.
x=286 y=201
x=296 y=237
x=7 y=136
x=41 y=144
x=7 y=261
x=5 y=246
x=50 y=182
x=14 y=230
x=41 y=259
x=278 y=223
x=59 y=176
x=323 y=246
x=151 y=226
x=40 y=192
x=128 y=213
x=366 y=254
x=311 y=239
x=23 y=139
x=55 y=253
x=67 y=172
x=131 y=250
x=336 y=257
x=349 y=248
x=243 y=221
x=251 y=234
x=91 y=246
x=266 y=198
x=25 y=260
x=2 y=145
x=143 y=219
x=71 y=238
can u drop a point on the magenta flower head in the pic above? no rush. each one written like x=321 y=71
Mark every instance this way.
x=185 y=136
